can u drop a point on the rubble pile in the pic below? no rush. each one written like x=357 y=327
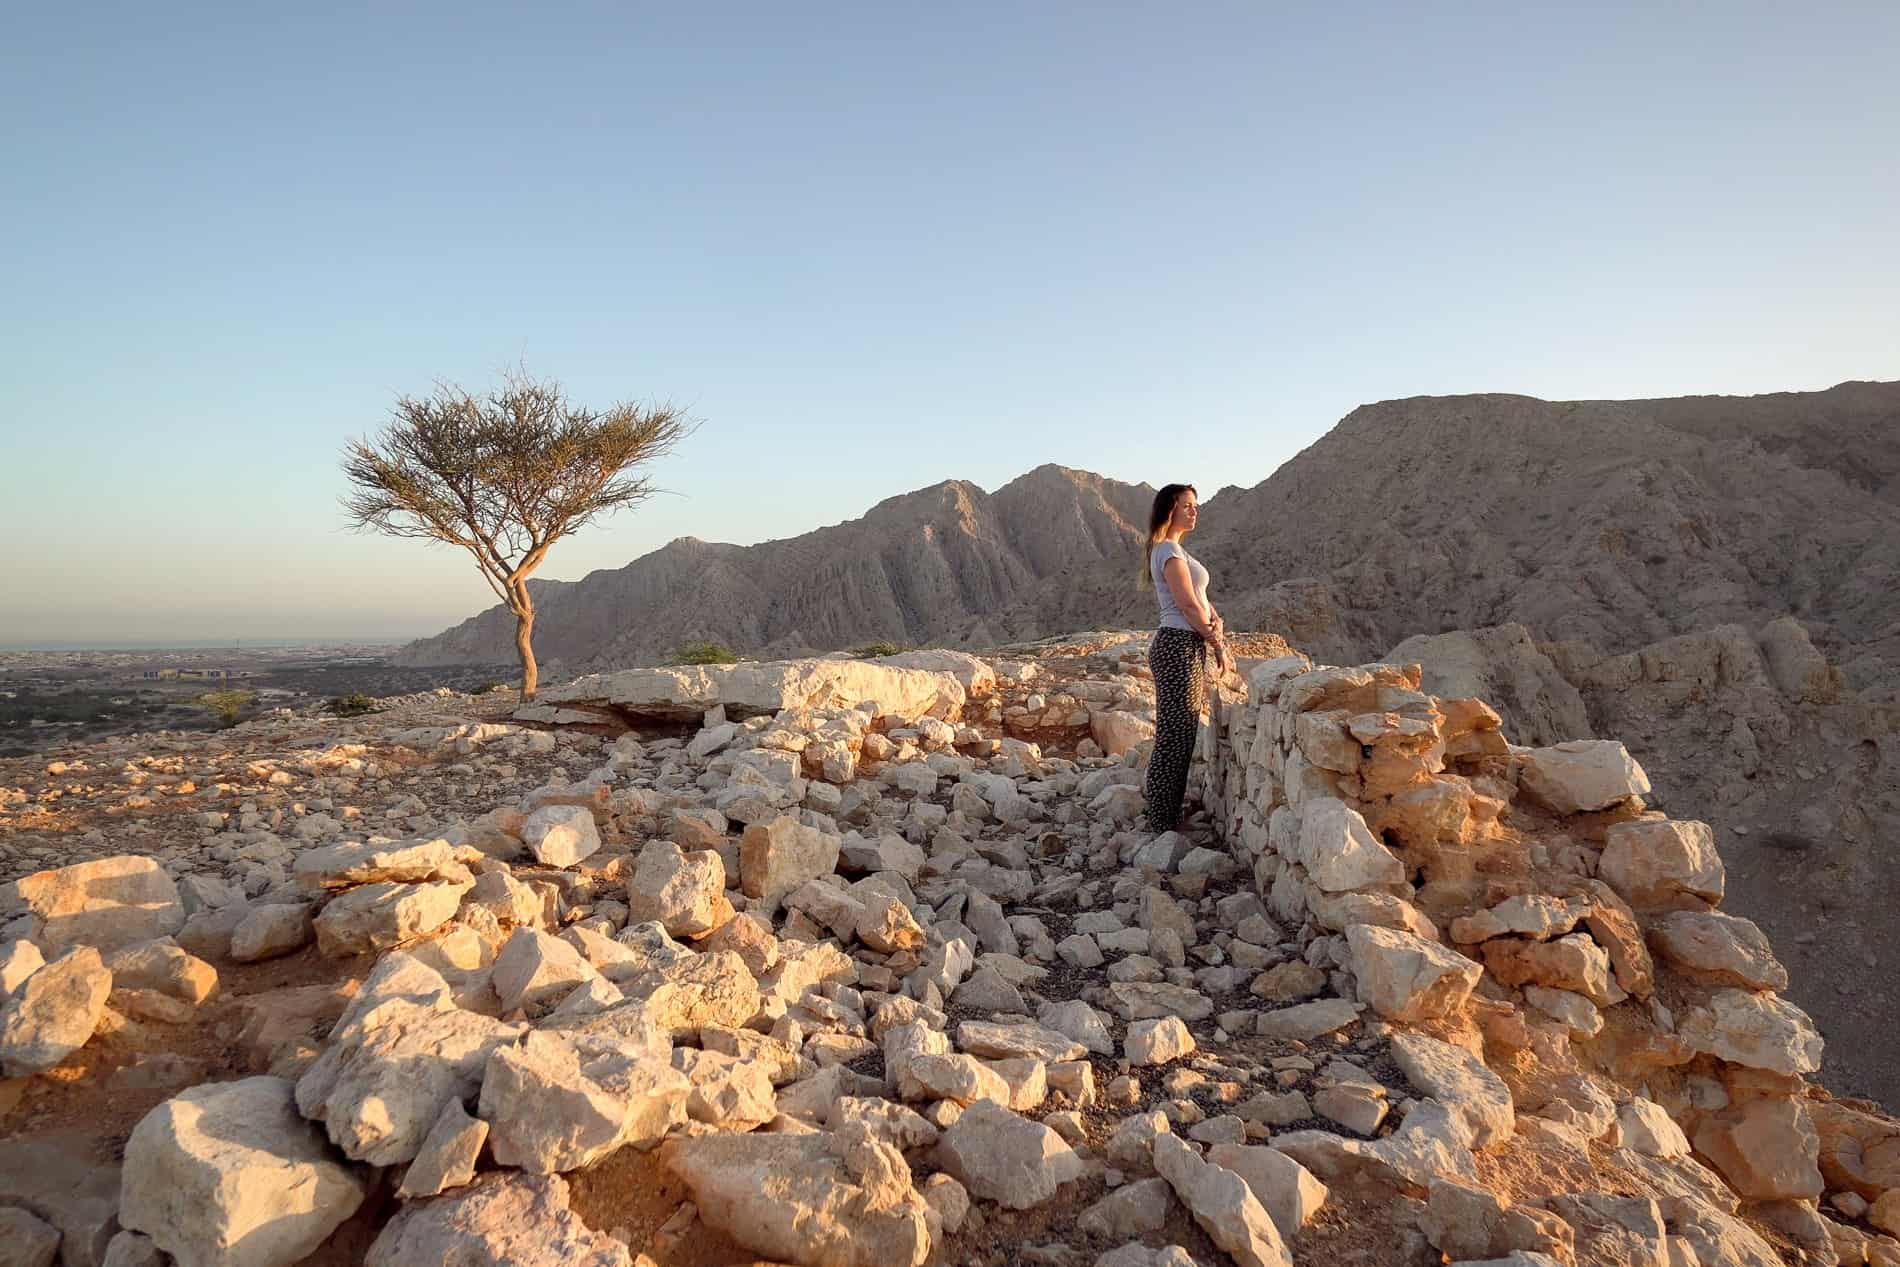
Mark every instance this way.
x=832 y=962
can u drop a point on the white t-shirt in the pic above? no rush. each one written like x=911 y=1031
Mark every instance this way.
x=1172 y=617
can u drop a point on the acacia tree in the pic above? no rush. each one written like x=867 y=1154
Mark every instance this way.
x=505 y=476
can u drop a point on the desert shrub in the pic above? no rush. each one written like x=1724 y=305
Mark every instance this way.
x=486 y=687
x=353 y=705
x=226 y=705
x=872 y=650
x=705 y=653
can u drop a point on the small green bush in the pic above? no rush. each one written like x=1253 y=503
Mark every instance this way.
x=486 y=687
x=226 y=705
x=354 y=705
x=872 y=650
x=705 y=653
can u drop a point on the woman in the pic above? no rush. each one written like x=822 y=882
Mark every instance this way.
x=1190 y=627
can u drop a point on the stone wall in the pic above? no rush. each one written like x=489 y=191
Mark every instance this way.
x=1524 y=905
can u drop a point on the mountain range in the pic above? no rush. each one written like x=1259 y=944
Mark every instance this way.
x=1613 y=523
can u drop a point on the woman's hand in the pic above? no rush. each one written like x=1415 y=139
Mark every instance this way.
x=1222 y=662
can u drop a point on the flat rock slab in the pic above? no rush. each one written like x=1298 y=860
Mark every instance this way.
x=686 y=692
x=53 y=1013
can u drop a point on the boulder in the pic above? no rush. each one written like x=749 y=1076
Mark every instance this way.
x=839 y=1199
x=54 y=1013
x=228 y=1173
x=105 y=903
x=777 y=857
x=1648 y=1128
x=730 y=1090
x=165 y=967
x=505 y=1219
x=1406 y=978
x=1007 y=1159
x=1662 y=864
x=684 y=892
x=377 y=916
x=561 y=835
x=1130 y=1210
x=1582 y=775
x=557 y=1102
x=1223 y=1204
x=687 y=692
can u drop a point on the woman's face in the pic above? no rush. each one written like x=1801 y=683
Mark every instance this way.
x=1187 y=512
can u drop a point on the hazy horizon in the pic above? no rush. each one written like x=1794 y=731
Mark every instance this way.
x=871 y=249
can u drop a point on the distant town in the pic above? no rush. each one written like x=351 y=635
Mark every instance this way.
x=54 y=697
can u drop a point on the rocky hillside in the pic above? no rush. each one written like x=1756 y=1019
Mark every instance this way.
x=863 y=966
x=910 y=570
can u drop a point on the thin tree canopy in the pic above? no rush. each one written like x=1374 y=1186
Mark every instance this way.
x=505 y=476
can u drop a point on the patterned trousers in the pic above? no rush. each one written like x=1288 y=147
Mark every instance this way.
x=1178 y=658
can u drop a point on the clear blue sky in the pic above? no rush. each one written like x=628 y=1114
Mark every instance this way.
x=872 y=246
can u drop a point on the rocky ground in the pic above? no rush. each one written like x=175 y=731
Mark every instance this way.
x=847 y=963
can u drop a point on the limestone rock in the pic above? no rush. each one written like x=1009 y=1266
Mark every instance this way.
x=561 y=835
x=1580 y=775
x=1662 y=864
x=1130 y=1210
x=1007 y=1159
x=827 y=1200
x=448 y=1155
x=1407 y=978
x=379 y=1097
x=683 y=892
x=1158 y=1041
x=680 y=998
x=1223 y=1204
x=1004 y=1041
x=777 y=857
x=506 y=1219
x=346 y=866
x=1306 y=1021
x=557 y=1102
x=270 y=930
x=1459 y=1080
x=54 y=1013
x=1338 y=850
x=1767 y=1149
x=1757 y=1030
x=686 y=692
x=1288 y=1191
x=229 y=1173
x=378 y=916
x=1721 y=948
x=534 y=971
x=105 y=903
x=1648 y=1128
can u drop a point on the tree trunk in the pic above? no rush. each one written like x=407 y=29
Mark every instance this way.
x=524 y=643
